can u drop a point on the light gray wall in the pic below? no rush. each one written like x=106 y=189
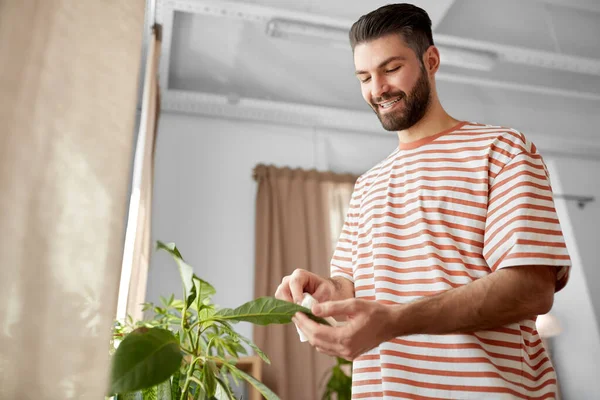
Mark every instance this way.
x=581 y=177
x=205 y=196
x=576 y=351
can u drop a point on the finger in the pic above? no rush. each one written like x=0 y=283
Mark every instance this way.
x=322 y=292
x=325 y=337
x=334 y=308
x=283 y=290
x=298 y=281
x=329 y=353
x=283 y=293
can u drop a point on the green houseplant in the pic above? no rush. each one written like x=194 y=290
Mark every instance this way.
x=339 y=385
x=188 y=350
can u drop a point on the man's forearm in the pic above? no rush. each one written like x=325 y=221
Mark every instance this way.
x=344 y=288
x=503 y=297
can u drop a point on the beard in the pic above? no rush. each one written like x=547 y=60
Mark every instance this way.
x=416 y=104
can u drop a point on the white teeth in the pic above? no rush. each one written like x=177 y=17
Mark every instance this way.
x=389 y=103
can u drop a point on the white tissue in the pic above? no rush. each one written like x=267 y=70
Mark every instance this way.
x=308 y=301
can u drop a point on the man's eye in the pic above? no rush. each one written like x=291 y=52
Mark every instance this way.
x=393 y=69
x=365 y=80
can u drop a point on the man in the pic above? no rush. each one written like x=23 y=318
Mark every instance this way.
x=451 y=246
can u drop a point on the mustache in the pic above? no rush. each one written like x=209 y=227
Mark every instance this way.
x=387 y=96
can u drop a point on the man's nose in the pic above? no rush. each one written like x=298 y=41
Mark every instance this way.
x=379 y=88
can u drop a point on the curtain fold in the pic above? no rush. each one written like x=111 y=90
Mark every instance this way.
x=293 y=230
x=68 y=89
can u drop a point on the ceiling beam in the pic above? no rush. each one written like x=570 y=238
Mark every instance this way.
x=526 y=56
x=516 y=87
x=259 y=13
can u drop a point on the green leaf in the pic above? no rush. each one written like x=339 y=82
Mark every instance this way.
x=204 y=315
x=225 y=371
x=175 y=384
x=201 y=293
x=204 y=290
x=341 y=384
x=224 y=389
x=258 y=351
x=163 y=391
x=234 y=348
x=265 y=311
x=265 y=391
x=169 y=247
x=150 y=393
x=177 y=304
x=185 y=271
x=220 y=349
x=343 y=361
x=145 y=358
x=254 y=347
x=132 y=396
x=197 y=390
x=208 y=375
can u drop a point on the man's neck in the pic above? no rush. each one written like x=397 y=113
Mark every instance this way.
x=436 y=120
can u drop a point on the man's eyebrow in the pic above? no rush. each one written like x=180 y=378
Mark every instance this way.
x=383 y=63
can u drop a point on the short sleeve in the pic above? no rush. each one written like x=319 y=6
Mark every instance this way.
x=522 y=226
x=342 y=260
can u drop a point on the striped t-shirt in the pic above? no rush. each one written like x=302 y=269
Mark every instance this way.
x=437 y=214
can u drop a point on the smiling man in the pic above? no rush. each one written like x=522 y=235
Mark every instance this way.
x=451 y=246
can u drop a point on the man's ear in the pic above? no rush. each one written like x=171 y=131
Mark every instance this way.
x=431 y=60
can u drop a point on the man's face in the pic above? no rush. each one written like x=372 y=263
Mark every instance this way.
x=393 y=81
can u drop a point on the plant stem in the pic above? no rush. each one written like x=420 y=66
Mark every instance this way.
x=185 y=349
x=183 y=312
x=194 y=346
x=188 y=380
x=196 y=323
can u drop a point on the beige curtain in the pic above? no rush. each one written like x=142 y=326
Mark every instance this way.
x=68 y=87
x=136 y=254
x=293 y=230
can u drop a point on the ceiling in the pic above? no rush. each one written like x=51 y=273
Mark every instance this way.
x=218 y=60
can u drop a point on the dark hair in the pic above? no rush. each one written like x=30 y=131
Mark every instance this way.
x=407 y=20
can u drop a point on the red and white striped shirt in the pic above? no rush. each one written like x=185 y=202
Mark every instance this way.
x=437 y=214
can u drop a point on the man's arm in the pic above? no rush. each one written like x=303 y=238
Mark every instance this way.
x=344 y=288
x=506 y=296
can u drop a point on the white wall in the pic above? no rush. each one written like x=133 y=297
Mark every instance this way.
x=204 y=194
x=576 y=351
x=204 y=201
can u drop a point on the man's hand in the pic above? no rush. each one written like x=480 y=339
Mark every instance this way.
x=503 y=297
x=367 y=326
x=293 y=287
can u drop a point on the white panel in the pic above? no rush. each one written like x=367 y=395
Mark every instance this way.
x=576 y=351
x=353 y=9
x=511 y=22
x=247 y=63
x=577 y=31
